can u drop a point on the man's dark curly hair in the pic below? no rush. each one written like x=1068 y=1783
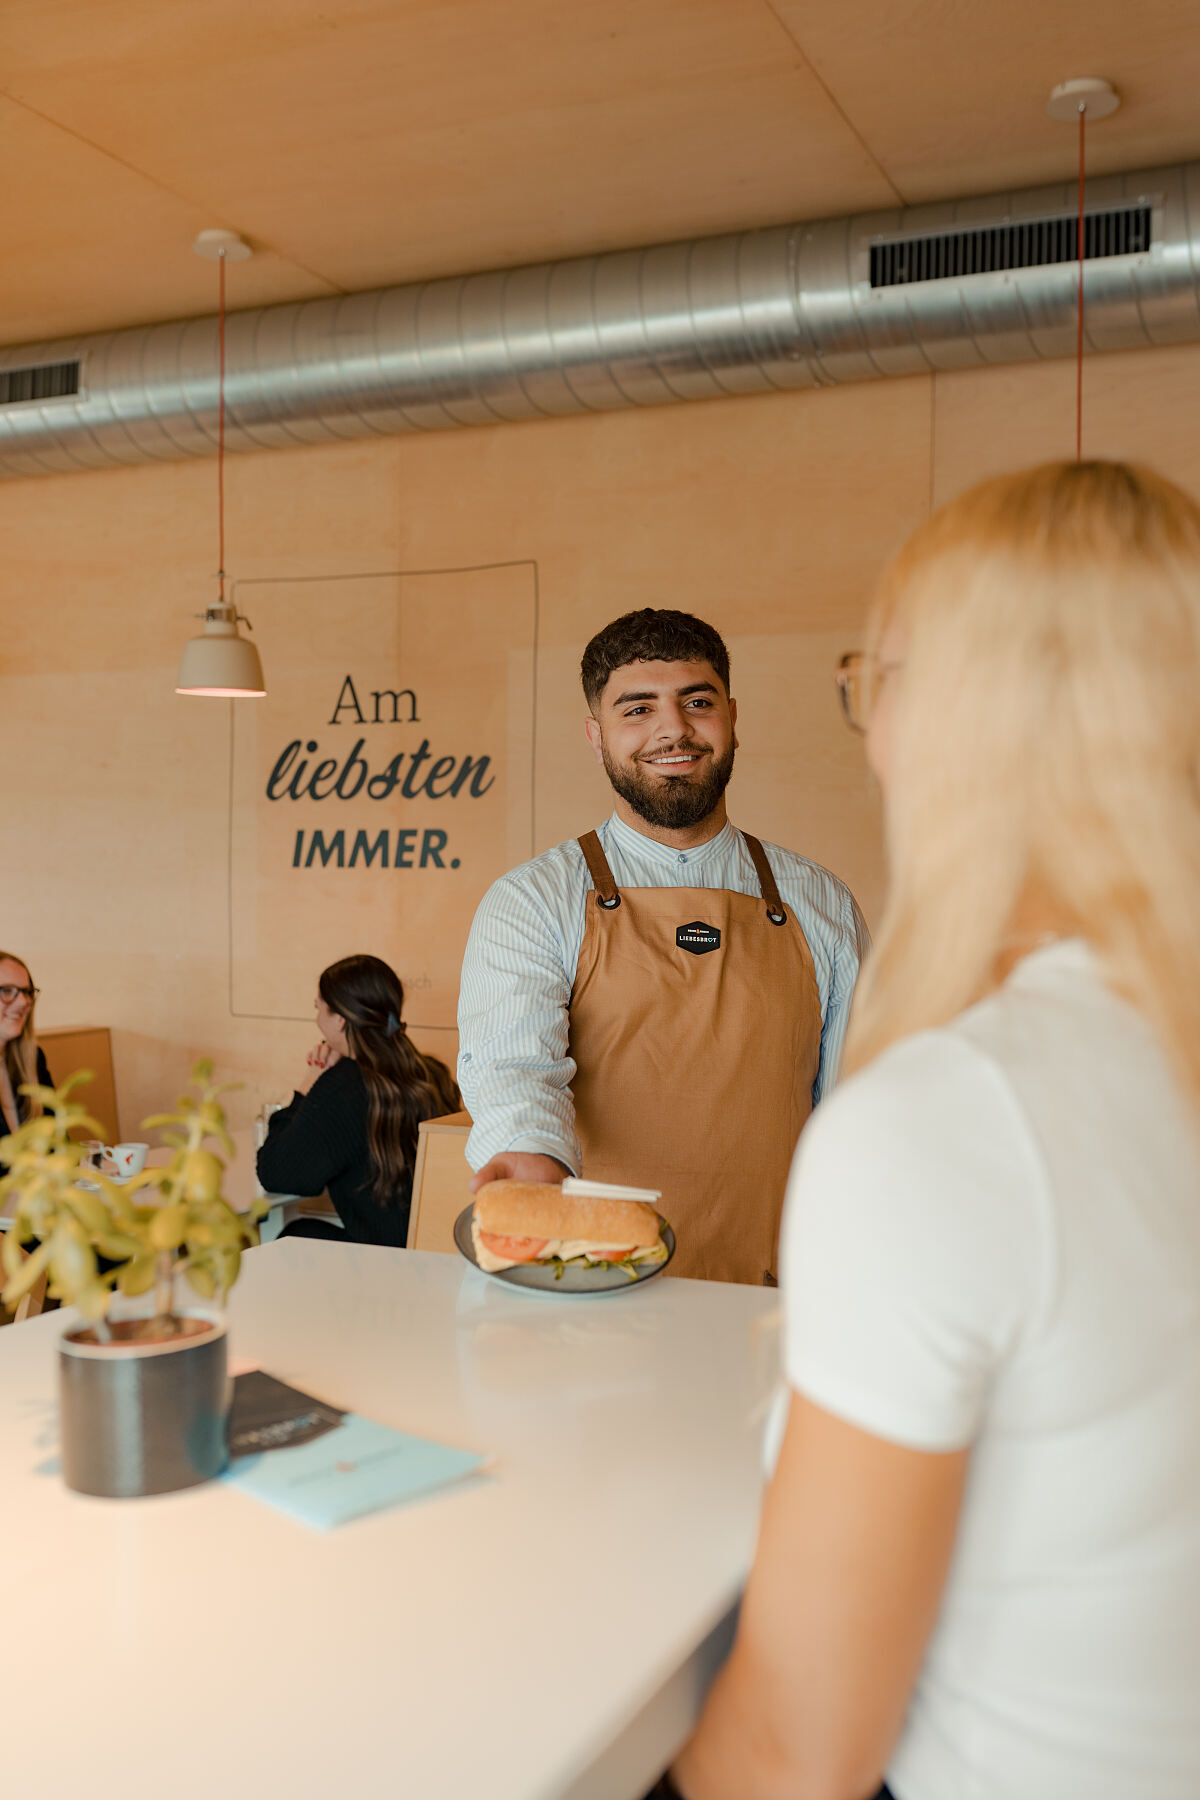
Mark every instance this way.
x=651 y=634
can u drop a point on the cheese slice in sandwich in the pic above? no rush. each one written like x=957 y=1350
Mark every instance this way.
x=518 y=1222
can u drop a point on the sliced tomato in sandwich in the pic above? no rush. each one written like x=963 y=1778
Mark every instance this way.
x=513 y=1249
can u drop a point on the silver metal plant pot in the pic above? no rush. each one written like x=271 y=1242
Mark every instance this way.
x=140 y=1417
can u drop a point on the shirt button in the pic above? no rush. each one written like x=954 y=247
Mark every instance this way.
x=682 y=858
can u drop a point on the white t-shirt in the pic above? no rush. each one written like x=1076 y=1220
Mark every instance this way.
x=992 y=1237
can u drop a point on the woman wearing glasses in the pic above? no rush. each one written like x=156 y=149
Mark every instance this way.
x=22 y=1061
x=978 y=1569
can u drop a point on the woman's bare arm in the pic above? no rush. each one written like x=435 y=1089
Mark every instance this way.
x=855 y=1541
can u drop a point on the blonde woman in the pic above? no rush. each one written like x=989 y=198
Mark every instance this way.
x=21 y=1060
x=978 y=1572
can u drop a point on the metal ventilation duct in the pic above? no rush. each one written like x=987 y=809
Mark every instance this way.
x=949 y=286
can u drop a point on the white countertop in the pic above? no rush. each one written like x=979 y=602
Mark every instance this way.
x=530 y=1635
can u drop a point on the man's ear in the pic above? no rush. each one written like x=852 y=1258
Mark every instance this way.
x=591 y=726
x=733 y=721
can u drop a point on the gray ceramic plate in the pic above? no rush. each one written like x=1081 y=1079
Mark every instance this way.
x=575 y=1278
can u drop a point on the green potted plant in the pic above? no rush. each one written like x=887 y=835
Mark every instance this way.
x=144 y=1400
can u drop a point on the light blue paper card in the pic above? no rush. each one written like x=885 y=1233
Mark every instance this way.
x=358 y=1468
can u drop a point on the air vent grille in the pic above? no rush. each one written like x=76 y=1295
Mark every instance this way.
x=1033 y=244
x=48 y=381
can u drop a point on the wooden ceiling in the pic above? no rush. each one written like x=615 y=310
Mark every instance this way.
x=360 y=142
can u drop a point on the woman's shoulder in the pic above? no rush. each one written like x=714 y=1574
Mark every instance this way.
x=914 y=1080
x=921 y=1176
x=938 y=1112
x=338 y=1082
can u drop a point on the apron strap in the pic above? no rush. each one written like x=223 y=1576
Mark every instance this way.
x=766 y=880
x=602 y=876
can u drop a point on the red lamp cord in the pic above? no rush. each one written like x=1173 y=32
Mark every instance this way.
x=221 y=434
x=1079 y=323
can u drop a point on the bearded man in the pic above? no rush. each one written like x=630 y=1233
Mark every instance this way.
x=661 y=1002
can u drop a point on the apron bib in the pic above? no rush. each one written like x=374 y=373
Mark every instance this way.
x=695 y=1025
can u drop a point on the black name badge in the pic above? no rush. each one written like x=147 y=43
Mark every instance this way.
x=698 y=937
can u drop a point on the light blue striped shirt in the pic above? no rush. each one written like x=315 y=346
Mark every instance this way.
x=514 y=1067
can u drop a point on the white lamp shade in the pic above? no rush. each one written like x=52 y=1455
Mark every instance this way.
x=220 y=665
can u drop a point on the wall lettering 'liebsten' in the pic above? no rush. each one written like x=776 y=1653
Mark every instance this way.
x=301 y=772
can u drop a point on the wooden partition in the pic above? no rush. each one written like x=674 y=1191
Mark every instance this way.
x=197 y=905
x=440 y=1182
x=71 y=1047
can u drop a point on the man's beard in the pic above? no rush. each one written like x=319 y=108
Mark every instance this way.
x=671 y=802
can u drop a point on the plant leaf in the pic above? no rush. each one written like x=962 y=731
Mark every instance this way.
x=202 y=1173
x=29 y=1272
x=147 y=1178
x=168 y=1226
x=92 y=1299
x=47 y=1096
x=90 y=1210
x=118 y=1246
x=72 y=1260
x=137 y=1277
x=201 y=1277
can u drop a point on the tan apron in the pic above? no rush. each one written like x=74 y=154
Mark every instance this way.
x=696 y=1028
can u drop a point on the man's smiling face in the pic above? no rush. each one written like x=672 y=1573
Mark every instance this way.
x=665 y=734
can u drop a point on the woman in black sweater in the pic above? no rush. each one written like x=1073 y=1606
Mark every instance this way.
x=351 y=1127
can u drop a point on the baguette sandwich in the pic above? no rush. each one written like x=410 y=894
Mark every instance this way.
x=518 y=1222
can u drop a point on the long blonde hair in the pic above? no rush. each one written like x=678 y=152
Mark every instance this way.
x=1045 y=735
x=20 y=1053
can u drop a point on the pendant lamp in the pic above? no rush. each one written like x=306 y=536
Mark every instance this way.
x=221 y=664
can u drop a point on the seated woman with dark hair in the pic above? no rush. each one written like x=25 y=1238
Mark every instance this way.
x=21 y=1061
x=351 y=1128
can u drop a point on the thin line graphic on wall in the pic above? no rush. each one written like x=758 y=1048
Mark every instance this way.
x=400 y=716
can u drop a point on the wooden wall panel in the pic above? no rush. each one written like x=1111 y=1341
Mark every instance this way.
x=769 y=516
x=68 y=1048
x=1139 y=404
x=772 y=517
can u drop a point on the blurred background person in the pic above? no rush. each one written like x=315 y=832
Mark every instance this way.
x=22 y=1060
x=978 y=1569
x=351 y=1127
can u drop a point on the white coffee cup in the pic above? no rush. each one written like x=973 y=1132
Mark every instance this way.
x=130 y=1159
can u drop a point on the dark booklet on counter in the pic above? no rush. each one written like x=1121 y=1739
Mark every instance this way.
x=324 y=1465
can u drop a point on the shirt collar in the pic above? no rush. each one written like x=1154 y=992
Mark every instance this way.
x=635 y=843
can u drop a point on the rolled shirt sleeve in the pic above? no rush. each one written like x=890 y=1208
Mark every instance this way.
x=514 y=1066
